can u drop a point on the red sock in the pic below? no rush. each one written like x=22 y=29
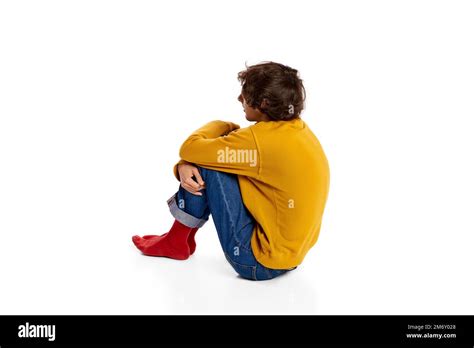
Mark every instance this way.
x=191 y=240
x=173 y=244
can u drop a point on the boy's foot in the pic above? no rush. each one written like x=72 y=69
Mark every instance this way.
x=173 y=244
x=191 y=240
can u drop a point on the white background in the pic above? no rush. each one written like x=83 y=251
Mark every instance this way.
x=97 y=96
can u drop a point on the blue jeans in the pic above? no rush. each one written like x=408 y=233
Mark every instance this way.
x=234 y=224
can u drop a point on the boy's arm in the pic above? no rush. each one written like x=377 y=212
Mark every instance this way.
x=221 y=146
x=214 y=129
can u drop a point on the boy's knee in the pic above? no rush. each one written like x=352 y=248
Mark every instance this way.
x=207 y=173
x=204 y=171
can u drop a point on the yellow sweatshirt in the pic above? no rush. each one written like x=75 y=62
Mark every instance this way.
x=283 y=176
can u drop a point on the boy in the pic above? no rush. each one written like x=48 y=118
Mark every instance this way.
x=266 y=185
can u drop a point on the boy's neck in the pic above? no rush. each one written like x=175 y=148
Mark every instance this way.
x=264 y=118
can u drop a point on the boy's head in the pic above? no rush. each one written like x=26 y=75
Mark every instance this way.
x=271 y=92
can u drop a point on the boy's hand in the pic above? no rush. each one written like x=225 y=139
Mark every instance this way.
x=233 y=126
x=186 y=172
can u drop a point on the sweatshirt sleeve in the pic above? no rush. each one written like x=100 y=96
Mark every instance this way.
x=221 y=146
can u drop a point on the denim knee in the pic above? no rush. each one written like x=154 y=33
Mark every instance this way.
x=205 y=172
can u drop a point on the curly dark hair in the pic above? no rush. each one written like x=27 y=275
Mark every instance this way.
x=274 y=89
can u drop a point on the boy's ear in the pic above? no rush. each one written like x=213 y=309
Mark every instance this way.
x=264 y=104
